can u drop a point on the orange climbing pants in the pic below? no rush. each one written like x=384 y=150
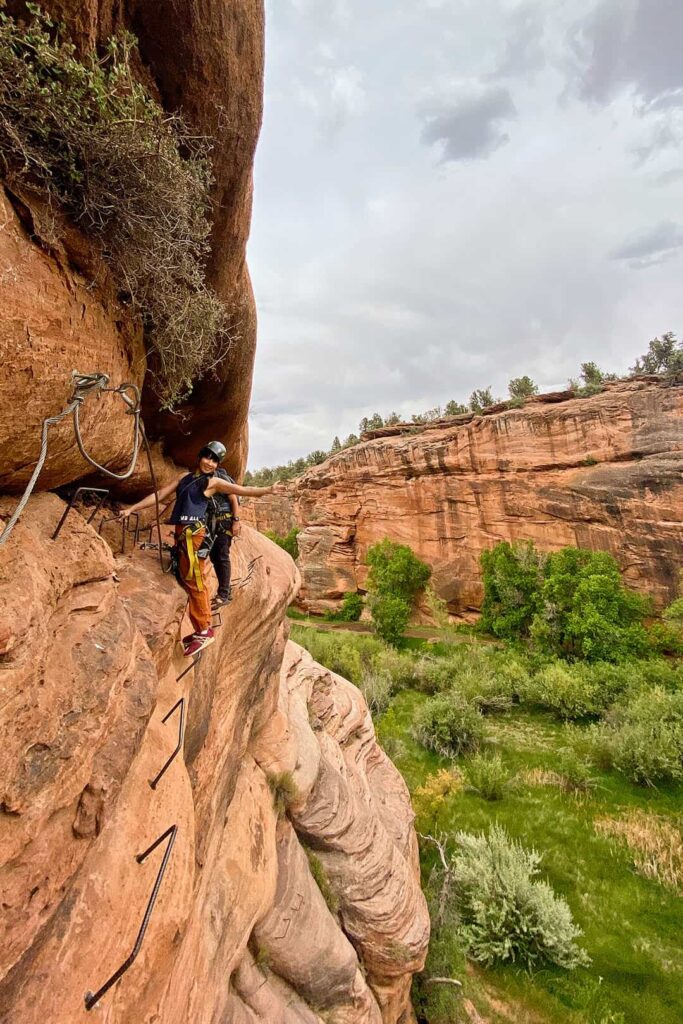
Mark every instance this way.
x=194 y=575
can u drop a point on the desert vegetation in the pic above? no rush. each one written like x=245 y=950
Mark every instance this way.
x=545 y=760
x=86 y=137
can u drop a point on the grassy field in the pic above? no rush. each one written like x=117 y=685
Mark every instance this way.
x=632 y=924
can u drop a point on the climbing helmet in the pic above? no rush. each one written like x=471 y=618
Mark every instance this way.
x=213 y=450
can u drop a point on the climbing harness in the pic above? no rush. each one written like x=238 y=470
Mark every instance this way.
x=194 y=571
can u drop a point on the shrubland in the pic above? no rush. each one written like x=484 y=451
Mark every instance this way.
x=545 y=760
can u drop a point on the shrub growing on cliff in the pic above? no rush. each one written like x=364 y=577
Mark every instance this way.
x=90 y=138
x=283 y=788
x=664 y=356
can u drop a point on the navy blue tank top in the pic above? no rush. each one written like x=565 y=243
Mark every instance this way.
x=190 y=502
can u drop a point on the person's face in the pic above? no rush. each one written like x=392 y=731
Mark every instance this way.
x=208 y=465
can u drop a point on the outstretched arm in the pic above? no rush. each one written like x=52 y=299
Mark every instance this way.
x=218 y=486
x=147 y=502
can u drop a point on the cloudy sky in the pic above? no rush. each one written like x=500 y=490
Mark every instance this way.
x=451 y=193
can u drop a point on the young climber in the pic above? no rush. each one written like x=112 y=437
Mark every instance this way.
x=223 y=525
x=189 y=516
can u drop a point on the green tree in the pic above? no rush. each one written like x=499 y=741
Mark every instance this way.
x=455 y=408
x=520 y=388
x=512 y=577
x=390 y=616
x=336 y=446
x=664 y=357
x=364 y=425
x=375 y=422
x=392 y=419
x=316 y=457
x=586 y=611
x=481 y=399
x=350 y=441
x=396 y=575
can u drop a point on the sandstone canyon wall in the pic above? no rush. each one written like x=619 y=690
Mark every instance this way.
x=58 y=308
x=93 y=699
x=603 y=472
x=90 y=670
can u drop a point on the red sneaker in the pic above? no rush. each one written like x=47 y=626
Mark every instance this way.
x=198 y=642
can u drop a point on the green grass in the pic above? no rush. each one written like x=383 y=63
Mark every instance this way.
x=632 y=926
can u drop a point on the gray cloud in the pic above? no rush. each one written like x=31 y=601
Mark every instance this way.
x=385 y=280
x=523 y=51
x=653 y=246
x=469 y=125
x=631 y=43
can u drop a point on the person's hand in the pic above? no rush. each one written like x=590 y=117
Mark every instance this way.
x=123 y=514
x=236 y=528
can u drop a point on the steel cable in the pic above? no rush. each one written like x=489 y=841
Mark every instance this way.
x=84 y=384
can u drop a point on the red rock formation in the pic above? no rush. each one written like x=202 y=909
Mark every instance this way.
x=601 y=472
x=58 y=314
x=89 y=667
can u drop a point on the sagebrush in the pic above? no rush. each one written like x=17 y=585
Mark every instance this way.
x=507 y=914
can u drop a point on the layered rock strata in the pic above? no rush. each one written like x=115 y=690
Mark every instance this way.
x=89 y=672
x=603 y=472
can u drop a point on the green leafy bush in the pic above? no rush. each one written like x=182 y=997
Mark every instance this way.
x=643 y=739
x=506 y=913
x=449 y=724
x=91 y=139
x=288 y=542
x=579 y=690
x=390 y=617
x=573 y=603
x=576 y=772
x=351 y=607
x=512 y=577
x=586 y=611
x=396 y=575
x=487 y=776
x=395 y=570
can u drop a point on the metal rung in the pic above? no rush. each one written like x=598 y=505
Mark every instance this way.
x=196 y=658
x=170 y=834
x=125 y=528
x=216 y=615
x=102 y=491
x=181 y=736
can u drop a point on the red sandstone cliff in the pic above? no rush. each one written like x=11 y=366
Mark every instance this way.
x=602 y=472
x=240 y=933
x=57 y=310
x=90 y=663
